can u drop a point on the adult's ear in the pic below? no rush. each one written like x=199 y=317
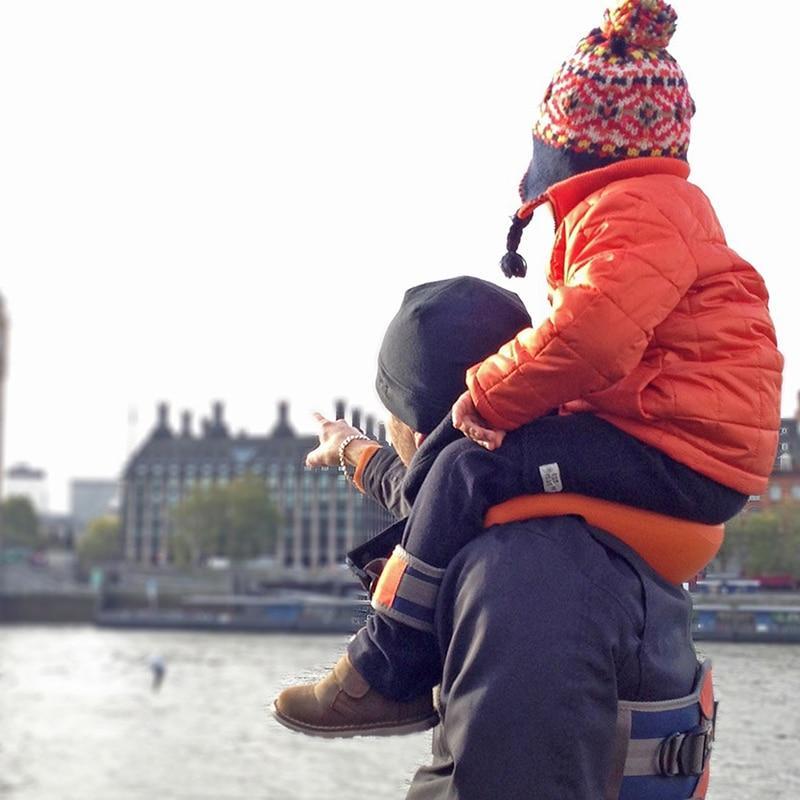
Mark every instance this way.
x=419 y=438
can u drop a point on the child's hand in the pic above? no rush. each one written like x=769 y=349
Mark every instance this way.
x=331 y=434
x=473 y=425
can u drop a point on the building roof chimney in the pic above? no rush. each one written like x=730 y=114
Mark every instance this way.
x=369 y=426
x=186 y=424
x=162 y=429
x=355 y=418
x=340 y=410
x=283 y=427
x=382 y=433
x=218 y=429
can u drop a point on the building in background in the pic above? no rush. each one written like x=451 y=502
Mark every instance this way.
x=90 y=499
x=322 y=515
x=784 y=482
x=22 y=480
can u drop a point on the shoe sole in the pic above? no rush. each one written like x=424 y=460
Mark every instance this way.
x=387 y=729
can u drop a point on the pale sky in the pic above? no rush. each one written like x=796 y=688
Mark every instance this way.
x=226 y=200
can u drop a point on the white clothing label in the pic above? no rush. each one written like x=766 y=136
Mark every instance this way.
x=551 y=477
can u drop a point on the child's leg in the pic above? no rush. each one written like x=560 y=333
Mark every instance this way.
x=590 y=456
x=578 y=453
x=396 y=660
x=463 y=483
x=396 y=651
x=390 y=666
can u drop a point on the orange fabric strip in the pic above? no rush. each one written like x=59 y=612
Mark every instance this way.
x=707 y=707
x=702 y=785
x=363 y=460
x=676 y=549
x=389 y=580
x=707 y=696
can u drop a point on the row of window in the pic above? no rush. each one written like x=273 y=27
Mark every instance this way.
x=158 y=514
x=322 y=480
x=174 y=469
x=173 y=492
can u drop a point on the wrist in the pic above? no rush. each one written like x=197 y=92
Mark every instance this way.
x=345 y=456
x=355 y=449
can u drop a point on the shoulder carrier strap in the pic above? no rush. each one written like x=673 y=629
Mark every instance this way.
x=662 y=749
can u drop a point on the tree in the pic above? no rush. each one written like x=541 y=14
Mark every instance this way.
x=101 y=542
x=237 y=520
x=20 y=525
x=763 y=543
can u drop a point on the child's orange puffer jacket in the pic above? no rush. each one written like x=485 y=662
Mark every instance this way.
x=657 y=326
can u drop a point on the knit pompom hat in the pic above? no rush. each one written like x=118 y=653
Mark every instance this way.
x=620 y=96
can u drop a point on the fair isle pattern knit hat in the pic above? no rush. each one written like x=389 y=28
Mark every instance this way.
x=620 y=96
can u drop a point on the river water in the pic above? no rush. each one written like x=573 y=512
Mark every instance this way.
x=80 y=721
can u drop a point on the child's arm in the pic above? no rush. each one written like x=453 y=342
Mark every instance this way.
x=623 y=277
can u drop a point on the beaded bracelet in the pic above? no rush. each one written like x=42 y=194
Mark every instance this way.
x=343 y=446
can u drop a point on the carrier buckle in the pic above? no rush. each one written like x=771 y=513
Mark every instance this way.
x=685 y=753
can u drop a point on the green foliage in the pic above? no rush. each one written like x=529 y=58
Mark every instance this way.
x=763 y=543
x=101 y=542
x=237 y=520
x=20 y=525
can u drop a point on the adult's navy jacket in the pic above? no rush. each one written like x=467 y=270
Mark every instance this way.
x=542 y=626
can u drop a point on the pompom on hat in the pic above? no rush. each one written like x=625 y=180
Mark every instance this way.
x=620 y=96
x=648 y=24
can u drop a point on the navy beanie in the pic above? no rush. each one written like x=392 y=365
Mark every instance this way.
x=441 y=330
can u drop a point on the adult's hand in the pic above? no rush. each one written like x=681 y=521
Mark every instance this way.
x=331 y=435
x=467 y=419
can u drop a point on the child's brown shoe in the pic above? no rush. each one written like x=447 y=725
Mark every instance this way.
x=343 y=704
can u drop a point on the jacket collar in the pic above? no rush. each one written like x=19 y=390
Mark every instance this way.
x=566 y=194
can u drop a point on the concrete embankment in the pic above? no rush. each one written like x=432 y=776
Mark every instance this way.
x=49 y=608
